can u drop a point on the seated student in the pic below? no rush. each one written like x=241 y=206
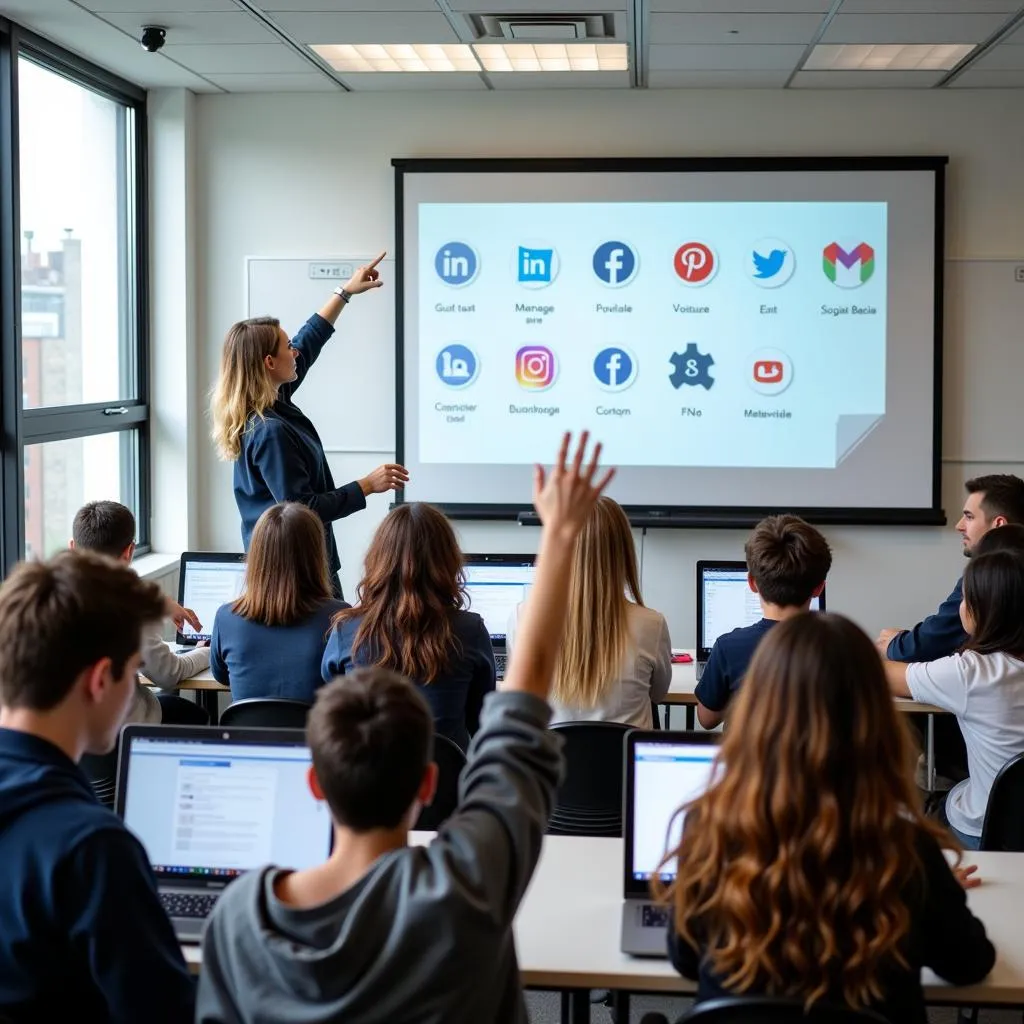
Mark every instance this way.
x=787 y=562
x=411 y=617
x=270 y=642
x=108 y=528
x=82 y=934
x=617 y=657
x=807 y=869
x=382 y=931
x=983 y=685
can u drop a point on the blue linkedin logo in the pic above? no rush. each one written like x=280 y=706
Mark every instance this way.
x=456 y=263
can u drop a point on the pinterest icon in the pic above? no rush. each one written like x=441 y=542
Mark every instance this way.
x=695 y=263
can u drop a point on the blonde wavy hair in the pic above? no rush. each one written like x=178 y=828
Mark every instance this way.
x=244 y=388
x=794 y=866
x=596 y=634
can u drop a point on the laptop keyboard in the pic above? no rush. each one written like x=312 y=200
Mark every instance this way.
x=188 y=904
x=501 y=664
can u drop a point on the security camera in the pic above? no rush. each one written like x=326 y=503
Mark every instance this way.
x=153 y=38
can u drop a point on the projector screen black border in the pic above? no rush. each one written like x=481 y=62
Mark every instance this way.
x=684 y=517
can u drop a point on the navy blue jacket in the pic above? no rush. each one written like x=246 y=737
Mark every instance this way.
x=82 y=933
x=270 y=661
x=282 y=458
x=936 y=637
x=728 y=663
x=456 y=696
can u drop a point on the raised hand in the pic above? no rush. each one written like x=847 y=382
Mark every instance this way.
x=388 y=477
x=564 y=497
x=366 y=277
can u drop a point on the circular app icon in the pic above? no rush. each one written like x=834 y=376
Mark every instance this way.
x=695 y=263
x=456 y=263
x=848 y=264
x=536 y=367
x=770 y=371
x=771 y=262
x=615 y=368
x=615 y=263
x=535 y=265
x=457 y=365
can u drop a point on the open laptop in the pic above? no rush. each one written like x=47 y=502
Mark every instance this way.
x=206 y=580
x=725 y=602
x=663 y=771
x=495 y=584
x=209 y=803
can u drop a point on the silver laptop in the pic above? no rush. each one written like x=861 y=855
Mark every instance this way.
x=496 y=584
x=206 y=580
x=209 y=803
x=725 y=602
x=664 y=770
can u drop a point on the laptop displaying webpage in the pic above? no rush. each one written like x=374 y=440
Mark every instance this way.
x=729 y=604
x=205 y=808
x=665 y=776
x=208 y=585
x=494 y=591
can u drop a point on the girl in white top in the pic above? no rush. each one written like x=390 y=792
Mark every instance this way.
x=616 y=657
x=983 y=685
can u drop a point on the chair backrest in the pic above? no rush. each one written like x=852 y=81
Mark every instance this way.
x=1004 y=817
x=267 y=712
x=589 y=801
x=450 y=761
x=767 y=1010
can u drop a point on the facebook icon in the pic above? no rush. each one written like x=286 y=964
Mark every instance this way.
x=456 y=263
x=615 y=369
x=615 y=263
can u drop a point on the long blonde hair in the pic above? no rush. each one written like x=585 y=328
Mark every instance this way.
x=244 y=387
x=795 y=865
x=597 y=631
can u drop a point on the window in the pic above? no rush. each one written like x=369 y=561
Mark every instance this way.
x=73 y=373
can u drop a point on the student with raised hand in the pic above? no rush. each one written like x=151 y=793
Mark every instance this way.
x=270 y=642
x=983 y=684
x=276 y=450
x=617 y=656
x=387 y=932
x=82 y=933
x=807 y=869
x=412 y=618
x=787 y=562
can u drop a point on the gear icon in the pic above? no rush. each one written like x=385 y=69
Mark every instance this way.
x=691 y=367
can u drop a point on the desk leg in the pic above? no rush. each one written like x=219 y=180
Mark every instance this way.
x=930 y=754
x=207 y=700
x=691 y=717
x=575 y=1006
x=668 y=716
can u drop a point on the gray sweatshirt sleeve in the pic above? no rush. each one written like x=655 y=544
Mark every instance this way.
x=491 y=844
x=214 y=1002
x=162 y=667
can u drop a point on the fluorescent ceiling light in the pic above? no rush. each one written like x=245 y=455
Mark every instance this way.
x=553 y=56
x=399 y=57
x=887 y=57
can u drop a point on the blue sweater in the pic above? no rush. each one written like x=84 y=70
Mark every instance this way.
x=456 y=696
x=937 y=636
x=282 y=458
x=728 y=663
x=270 y=661
x=82 y=934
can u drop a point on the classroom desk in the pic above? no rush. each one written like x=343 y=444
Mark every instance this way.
x=207 y=690
x=567 y=929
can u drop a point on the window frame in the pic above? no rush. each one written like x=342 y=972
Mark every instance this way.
x=129 y=417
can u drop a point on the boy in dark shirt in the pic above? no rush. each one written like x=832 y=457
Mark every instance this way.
x=787 y=562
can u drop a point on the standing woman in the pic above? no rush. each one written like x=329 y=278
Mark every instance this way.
x=276 y=450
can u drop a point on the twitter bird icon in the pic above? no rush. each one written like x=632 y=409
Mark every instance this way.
x=771 y=262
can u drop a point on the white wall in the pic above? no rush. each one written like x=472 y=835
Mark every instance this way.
x=302 y=175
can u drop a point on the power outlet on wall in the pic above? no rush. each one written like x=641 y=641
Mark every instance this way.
x=330 y=271
x=1018 y=273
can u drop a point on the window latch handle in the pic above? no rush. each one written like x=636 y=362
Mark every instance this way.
x=115 y=410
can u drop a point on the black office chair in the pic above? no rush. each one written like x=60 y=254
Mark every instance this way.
x=450 y=761
x=1003 y=829
x=589 y=801
x=767 y=1010
x=101 y=771
x=267 y=712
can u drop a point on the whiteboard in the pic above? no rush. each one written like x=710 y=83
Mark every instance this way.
x=350 y=393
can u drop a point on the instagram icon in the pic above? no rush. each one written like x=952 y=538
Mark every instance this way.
x=535 y=367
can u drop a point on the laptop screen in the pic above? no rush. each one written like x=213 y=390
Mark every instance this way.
x=665 y=773
x=216 y=807
x=495 y=585
x=207 y=582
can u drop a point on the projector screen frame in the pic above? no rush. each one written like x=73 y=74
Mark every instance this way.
x=687 y=516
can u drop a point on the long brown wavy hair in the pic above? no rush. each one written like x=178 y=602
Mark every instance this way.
x=794 y=866
x=413 y=582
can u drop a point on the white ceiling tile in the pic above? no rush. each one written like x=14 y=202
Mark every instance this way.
x=342 y=6
x=536 y=6
x=367 y=28
x=929 y=6
x=724 y=58
x=503 y=81
x=147 y=6
x=866 y=79
x=911 y=28
x=981 y=79
x=717 y=79
x=729 y=29
x=191 y=28
x=1015 y=38
x=255 y=59
x=387 y=81
x=739 y=6
x=312 y=82
x=1001 y=58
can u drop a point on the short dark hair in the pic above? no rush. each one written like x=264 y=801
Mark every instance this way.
x=788 y=559
x=371 y=734
x=1002 y=494
x=61 y=616
x=106 y=527
x=994 y=594
x=1003 y=538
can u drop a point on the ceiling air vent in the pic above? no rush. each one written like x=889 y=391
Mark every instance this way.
x=534 y=28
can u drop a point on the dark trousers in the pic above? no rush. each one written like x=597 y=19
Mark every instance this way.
x=178 y=711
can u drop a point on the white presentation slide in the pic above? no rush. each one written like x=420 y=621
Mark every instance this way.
x=729 y=604
x=495 y=603
x=208 y=585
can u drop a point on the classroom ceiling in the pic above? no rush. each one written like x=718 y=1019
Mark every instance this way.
x=218 y=46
